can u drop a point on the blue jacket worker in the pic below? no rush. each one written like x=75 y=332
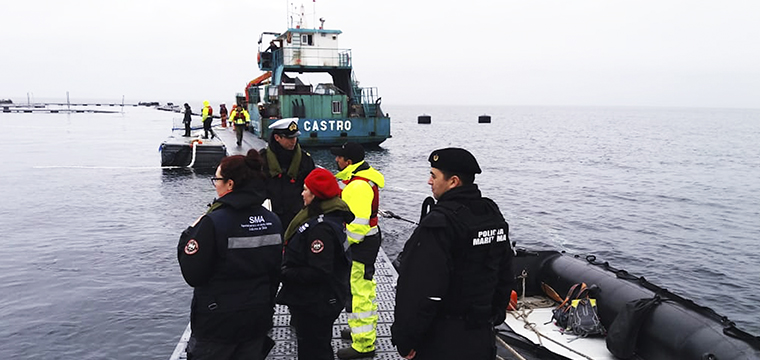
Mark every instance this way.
x=231 y=256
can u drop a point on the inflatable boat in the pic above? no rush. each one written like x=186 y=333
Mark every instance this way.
x=673 y=328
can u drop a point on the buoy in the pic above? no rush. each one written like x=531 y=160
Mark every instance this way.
x=484 y=119
x=423 y=119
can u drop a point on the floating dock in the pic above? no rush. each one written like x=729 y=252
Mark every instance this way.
x=284 y=336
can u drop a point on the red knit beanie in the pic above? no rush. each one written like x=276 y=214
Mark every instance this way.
x=322 y=184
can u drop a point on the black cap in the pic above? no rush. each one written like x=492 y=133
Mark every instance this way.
x=454 y=160
x=350 y=150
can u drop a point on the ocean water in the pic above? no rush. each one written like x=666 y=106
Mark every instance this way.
x=90 y=221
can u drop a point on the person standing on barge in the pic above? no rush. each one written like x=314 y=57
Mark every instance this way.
x=455 y=276
x=187 y=120
x=207 y=117
x=361 y=184
x=223 y=114
x=242 y=120
x=231 y=256
x=316 y=265
x=285 y=166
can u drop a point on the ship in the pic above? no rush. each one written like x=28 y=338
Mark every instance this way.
x=329 y=113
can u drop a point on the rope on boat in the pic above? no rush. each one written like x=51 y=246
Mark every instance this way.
x=524 y=311
x=193 y=145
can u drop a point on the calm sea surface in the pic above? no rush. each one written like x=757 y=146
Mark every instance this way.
x=90 y=221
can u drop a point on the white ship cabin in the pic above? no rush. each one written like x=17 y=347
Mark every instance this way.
x=313 y=47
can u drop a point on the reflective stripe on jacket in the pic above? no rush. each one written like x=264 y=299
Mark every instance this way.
x=362 y=197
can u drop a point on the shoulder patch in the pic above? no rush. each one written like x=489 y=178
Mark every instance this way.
x=191 y=247
x=317 y=246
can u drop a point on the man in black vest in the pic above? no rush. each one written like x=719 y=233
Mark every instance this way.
x=286 y=166
x=455 y=276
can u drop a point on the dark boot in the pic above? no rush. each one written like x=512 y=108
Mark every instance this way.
x=350 y=353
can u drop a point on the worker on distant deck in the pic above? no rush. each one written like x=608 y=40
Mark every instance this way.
x=286 y=166
x=361 y=184
x=223 y=114
x=206 y=118
x=242 y=120
x=188 y=119
x=455 y=277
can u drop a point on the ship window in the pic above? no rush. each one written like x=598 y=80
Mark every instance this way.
x=337 y=107
x=307 y=39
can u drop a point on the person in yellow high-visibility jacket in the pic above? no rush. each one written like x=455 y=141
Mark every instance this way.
x=207 y=116
x=361 y=184
x=242 y=120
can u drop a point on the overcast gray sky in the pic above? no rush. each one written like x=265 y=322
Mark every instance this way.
x=475 y=52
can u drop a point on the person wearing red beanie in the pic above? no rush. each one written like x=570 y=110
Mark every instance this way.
x=322 y=184
x=315 y=265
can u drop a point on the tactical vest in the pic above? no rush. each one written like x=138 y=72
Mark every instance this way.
x=479 y=242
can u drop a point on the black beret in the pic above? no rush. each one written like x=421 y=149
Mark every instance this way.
x=454 y=160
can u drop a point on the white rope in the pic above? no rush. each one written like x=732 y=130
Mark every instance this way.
x=523 y=315
x=193 y=145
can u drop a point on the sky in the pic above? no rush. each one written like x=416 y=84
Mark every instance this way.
x=478 y=52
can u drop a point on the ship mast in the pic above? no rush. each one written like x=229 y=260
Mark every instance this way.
x=296 y=16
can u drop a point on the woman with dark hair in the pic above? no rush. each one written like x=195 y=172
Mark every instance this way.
x=231 y=256
x=316 y=265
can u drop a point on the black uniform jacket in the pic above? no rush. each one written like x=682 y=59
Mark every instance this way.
x=441 y=274
x=232 y=257
x=316 y=266
x=283 y=189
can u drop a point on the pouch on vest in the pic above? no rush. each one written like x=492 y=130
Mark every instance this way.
x=624 y=330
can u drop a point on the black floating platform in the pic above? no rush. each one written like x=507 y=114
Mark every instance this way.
x=189 y=152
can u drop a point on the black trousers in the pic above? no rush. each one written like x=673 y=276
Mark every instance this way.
x=456 y=339
x=314 y=332
x=187 y=129
x=207 y=128
x=254 y=349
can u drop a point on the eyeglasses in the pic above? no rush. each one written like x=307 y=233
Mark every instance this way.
x=215 y=179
